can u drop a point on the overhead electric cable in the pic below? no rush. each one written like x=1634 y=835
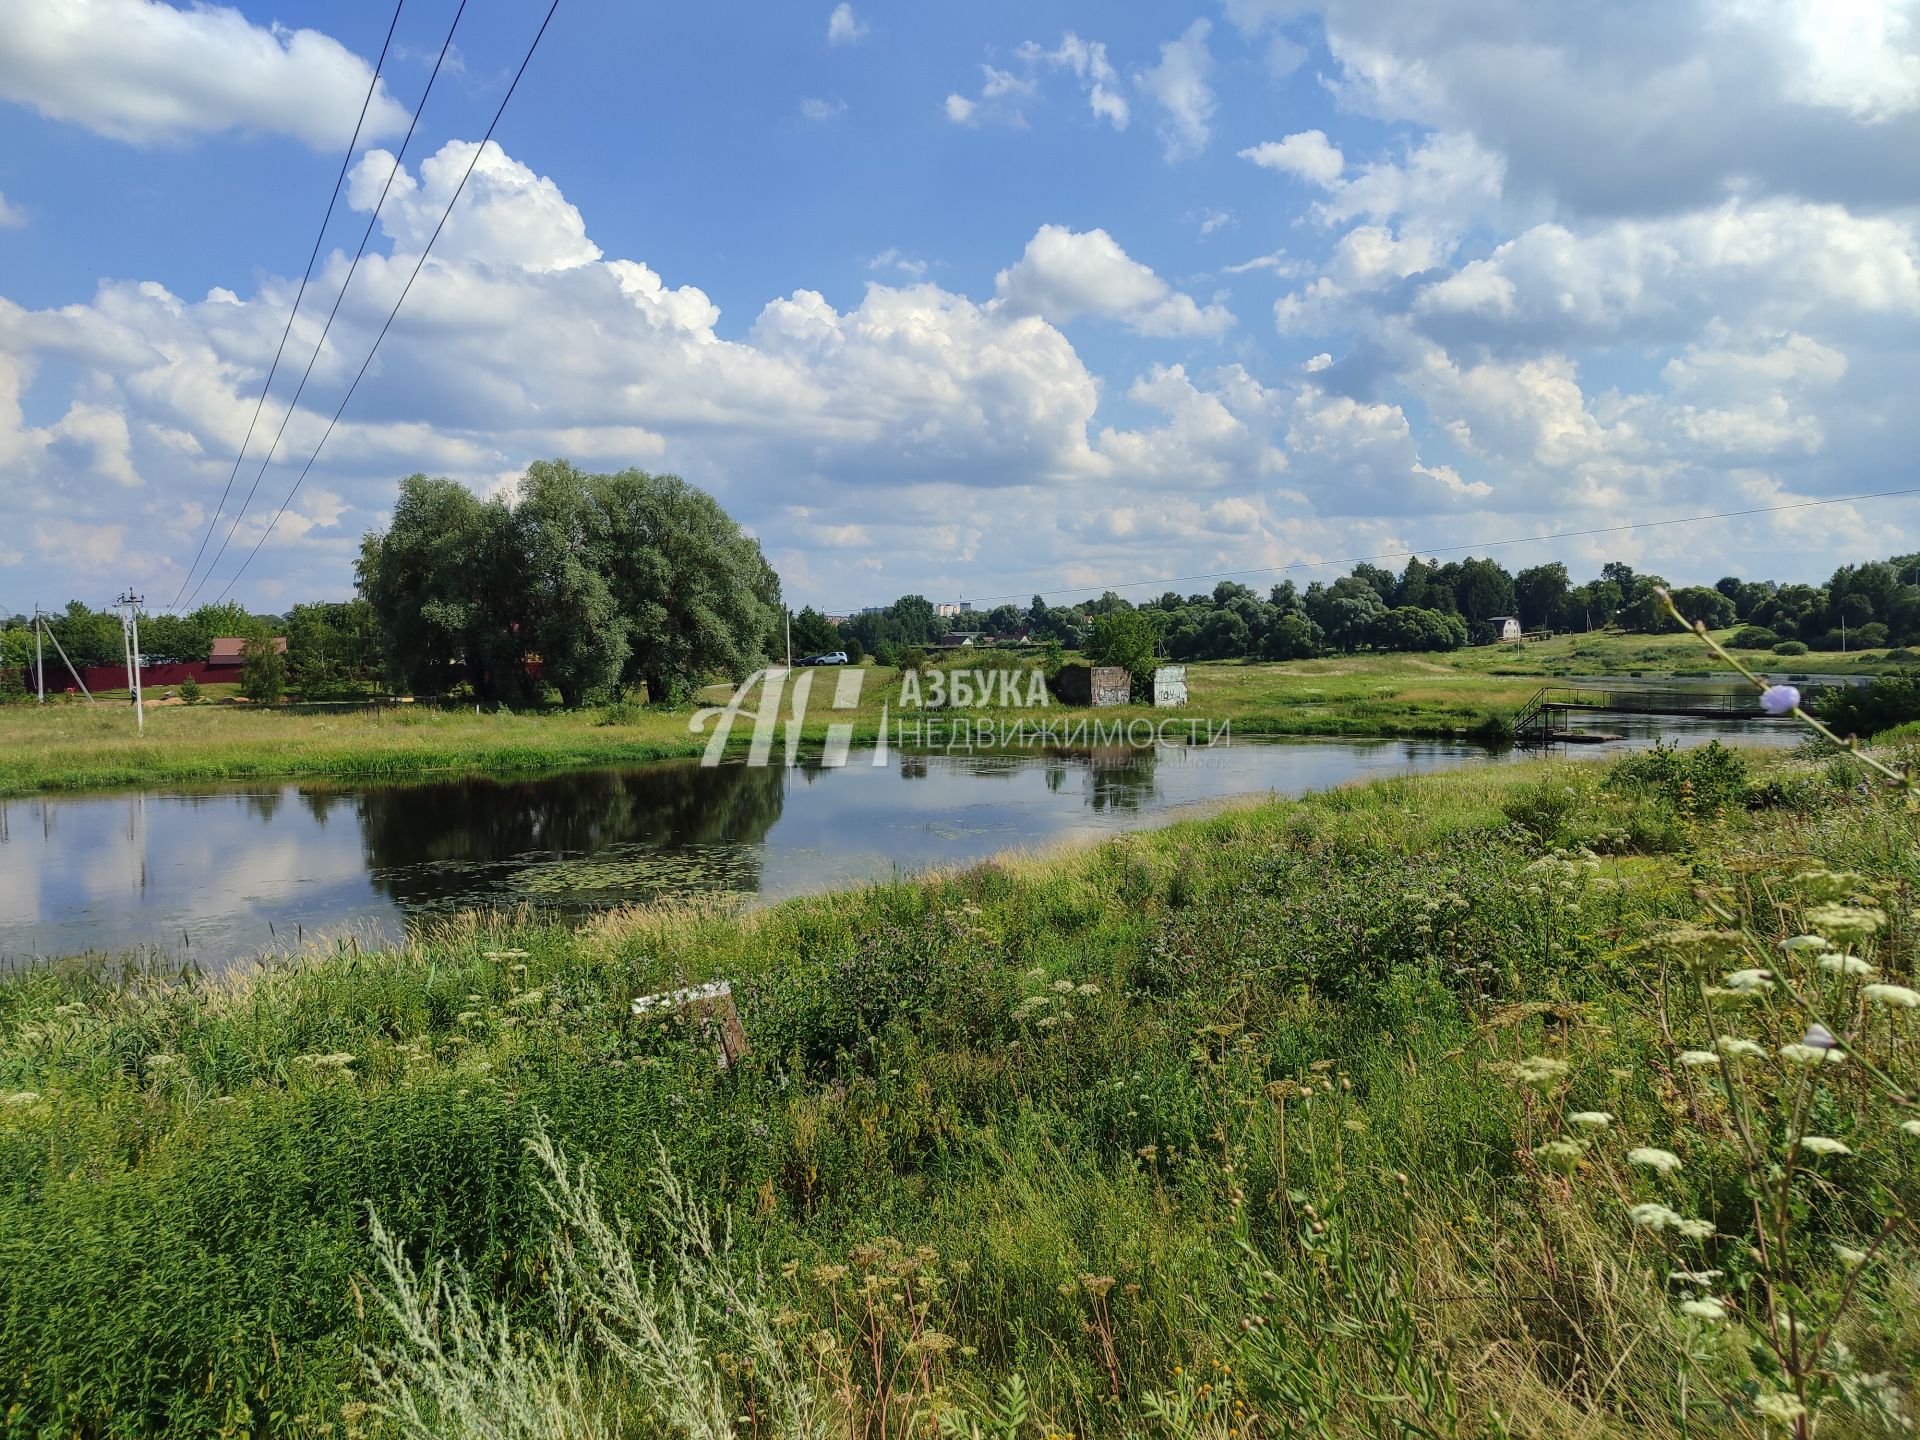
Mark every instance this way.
x=320 y=344
x=299 y=295
x=1477 y=545
x=466 y=175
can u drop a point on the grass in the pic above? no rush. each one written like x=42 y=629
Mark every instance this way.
x=1465 y=694
x=1218 y=1131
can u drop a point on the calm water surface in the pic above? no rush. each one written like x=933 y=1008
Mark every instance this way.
x=221 y=875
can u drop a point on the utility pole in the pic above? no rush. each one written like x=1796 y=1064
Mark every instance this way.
x=130 y=635
x=39 y=658
x=789 y=614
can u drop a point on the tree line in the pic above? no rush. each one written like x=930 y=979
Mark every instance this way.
x=598 y=585
x=1428 y=606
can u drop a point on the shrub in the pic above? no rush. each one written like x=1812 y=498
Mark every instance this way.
x=618 y=712
x=913 y=658
x=1871 y=636
x=190 y=690
x=1892 y=699
x=1790 y=647
x=1753 y=637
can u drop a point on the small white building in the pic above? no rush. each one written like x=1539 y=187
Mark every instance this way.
x=1505 y=628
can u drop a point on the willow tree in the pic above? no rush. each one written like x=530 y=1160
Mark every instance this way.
x=627 y=579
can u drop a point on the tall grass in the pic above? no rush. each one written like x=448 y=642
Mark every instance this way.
x=1224 y=1130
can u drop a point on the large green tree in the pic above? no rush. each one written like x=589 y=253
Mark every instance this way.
x=627 y=579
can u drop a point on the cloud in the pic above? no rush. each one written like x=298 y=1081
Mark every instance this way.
x=12 y=217
x=843 y=28
x=1065 y=275
x=1087 y=59
x=818 y=110
x=1650 y=109
x=1000 y=95
x=1308 y=155
x=145 y=72
x=1181 y=84
x=892 y=259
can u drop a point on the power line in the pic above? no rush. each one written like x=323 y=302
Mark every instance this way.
x=425 y=251
x=325 y=330
x=1478 y=545
x=273 y=369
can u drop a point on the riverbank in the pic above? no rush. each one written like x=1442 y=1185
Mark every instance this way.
x=1462 y=695
x=1248 y=1118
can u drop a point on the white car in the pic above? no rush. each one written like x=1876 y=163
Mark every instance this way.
x=832 y=657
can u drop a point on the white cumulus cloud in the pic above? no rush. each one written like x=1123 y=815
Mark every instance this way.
x=147 y=72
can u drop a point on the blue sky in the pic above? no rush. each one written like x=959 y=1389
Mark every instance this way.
x=975 y=300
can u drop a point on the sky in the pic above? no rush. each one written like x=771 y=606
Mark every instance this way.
x=970 y=301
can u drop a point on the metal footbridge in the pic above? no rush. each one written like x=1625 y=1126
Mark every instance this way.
x=1547 y=717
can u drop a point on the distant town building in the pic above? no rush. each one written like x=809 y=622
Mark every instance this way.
x=1505 y=628
x=947 y=609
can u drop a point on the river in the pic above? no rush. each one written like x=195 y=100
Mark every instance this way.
x=220 y=875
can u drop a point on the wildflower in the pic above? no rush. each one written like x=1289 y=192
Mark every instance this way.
x=1654 y=1217
x=1910 y=1127
x=1846 y=922
x=1803 y=1054
x=1824 y=1145
x=1694 y=1059
x=1819 y=1036
x=1063 y=987
x=1845 y=964
x=1734 y=1046
x=504 y=954
x=1850 y=1255
x=1590 y=1119
x=162 y=1062
x=528 y=1000
x=1749 y=982
x=1892 y=996
x=1806 y=942
x=1695 y=1229
x=1780 y=699
x=1540 y=1070
x=20 y=1098
x=1562 y=1154
x=1708 y=1309
x=1696 y=1277
x=1665 y=1161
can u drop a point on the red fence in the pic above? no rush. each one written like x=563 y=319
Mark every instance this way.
x=114 y=677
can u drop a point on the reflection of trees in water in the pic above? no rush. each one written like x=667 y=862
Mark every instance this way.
x=1120 y=777
x=652 y=830
x=265 y=804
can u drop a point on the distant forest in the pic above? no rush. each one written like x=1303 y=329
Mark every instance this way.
x=347 y=647
x=1428 y=606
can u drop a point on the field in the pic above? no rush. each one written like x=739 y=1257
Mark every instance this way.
x=1468 y=693
x=1320 y=1118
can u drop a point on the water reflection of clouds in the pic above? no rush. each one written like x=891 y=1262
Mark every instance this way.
x=123 y=872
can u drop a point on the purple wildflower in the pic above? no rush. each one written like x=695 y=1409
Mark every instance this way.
x=1819 y=1037
x=1779 y=699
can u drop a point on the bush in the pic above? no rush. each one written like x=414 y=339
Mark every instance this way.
x=1891 y=700
x=1753 y=637
x=618 y=712
x=190 y=691
x=913 y=658
x=1871 y=636
x=1790 y=647
x=13 y=687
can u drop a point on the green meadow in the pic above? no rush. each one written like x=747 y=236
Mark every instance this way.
x=1464 y=694
x=1481 y=1104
